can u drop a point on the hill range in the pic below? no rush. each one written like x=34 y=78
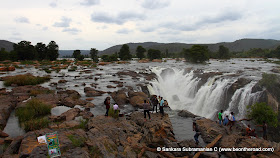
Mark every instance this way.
x=236 y=46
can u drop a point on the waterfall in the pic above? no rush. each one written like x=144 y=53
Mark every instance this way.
x=182 y=92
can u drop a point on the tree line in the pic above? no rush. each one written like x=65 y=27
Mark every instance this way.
x=24 y=50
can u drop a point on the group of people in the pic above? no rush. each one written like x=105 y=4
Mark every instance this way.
x=155 y=101
x=230 y=120
x=158 y=101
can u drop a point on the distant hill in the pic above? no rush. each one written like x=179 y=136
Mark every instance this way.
x=7 y=45
x=236 y=46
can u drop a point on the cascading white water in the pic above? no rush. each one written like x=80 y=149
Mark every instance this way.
x=181 y=91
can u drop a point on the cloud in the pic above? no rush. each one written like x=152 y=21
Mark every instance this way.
x=121 y=18
x=222 y=17
x=65 y=22
x=90 y=2
x=72 y=31
x=22 y=20
x=155 y=4
x=124 y=31
x=53 y=4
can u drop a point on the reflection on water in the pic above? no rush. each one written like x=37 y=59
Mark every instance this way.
x=12 y=127
x=59 y=110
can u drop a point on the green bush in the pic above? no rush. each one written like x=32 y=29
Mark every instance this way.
x=112 y=113
x=260 y=112
x=34 y=109
x=26 y=79
x=27 y=62
x=77 y=141
x=95 y=152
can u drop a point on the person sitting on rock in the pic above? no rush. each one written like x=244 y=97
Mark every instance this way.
x=165 y=103
x=248 y=130
x=197 y=133
x=107 y=104
x=146 y=108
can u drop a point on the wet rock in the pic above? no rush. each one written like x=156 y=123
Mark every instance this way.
x=13 y=148
x=89 y=99
x=136 y=99
x=86 y=114
x=3 y=134
x=104 y=63
x=241 y=82
x=71 y=114
x=76 y=153
x=89 y=105
x=128 y=73
x=90 y=92
x=62 y=81
x=71 y=102
x=275 y=70
x=185 y=113
x=109 y=86
x=6 y=107
x=120 y=97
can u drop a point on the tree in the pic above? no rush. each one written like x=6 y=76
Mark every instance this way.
x=77 y=55
x=52 y=51
x=124 y=53
x=276 y=52
x=93 y=54
x=260 y=112
x=41 y=50
x=154 y=54
x=223 y=52
x=4 y=55
x=197 y=54
x=25 y=51
x=140 y=52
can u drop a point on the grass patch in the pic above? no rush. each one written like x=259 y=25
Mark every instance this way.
x=73 y=68
x=83 y=124
x=27 y=62
x=95 y=152
x=47 y=70
x=26 y=79
x=34 y=109
x=77 y=141
x=36 y=124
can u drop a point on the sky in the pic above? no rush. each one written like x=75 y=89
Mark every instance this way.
x=100 y=24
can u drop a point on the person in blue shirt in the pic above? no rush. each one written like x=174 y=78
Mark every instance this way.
x=161 y=106
x=225 y=122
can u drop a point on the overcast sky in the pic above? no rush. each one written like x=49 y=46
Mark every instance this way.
x=85 y=24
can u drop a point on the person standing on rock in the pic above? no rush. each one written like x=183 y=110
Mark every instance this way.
x=197 y=133
x=155 y=103
x=107 y=104
x=264 y=126
x=146 y=108
x=161 y=106
x=220 y=117
x=231 y=120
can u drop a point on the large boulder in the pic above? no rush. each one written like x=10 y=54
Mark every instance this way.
x=185 y=113
x=91 y=92
x=136 y=99
x=120 y=97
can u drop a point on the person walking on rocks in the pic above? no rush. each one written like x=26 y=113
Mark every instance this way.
x=220 y=117
x=146 y=107
x=107 y=104
x=161 y=106
x=155 y=103
x=197 y=133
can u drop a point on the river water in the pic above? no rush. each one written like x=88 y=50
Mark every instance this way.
x=176 y=81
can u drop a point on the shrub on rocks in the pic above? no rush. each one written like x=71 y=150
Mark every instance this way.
x=27 y=79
